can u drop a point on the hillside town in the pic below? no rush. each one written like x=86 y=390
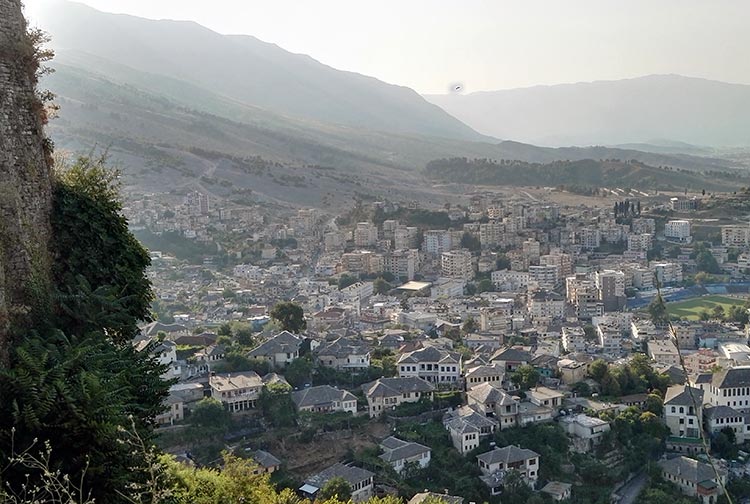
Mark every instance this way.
x=418 y=338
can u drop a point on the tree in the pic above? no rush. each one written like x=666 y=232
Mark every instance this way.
x=657 y=310
x=526 y=377
x=209 y=413
x=502 y=262
x=470 y=289
x=589 y=332
x=290 y=316
x=470 y=325
x=654 y=404
x=598 y=369
x=346 y=280
x=485 y=285
x=471 y=242
x=298 y=372
x=335 y=488
x=380 y=286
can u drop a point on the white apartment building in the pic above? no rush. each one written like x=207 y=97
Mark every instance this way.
x=678 y=230
x=573 y=339
x=545 y=277
x=457 y=264
x=564 y=261
x=590 y=238
x=735 y=236
x=491 y=233
x=365 y=234
x=640 y=241
x=510 y=280
x=437 y=241
x=666 y=272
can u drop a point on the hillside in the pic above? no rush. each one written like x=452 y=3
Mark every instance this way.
x=630 y=111
x=577 y=175
x=244 y=69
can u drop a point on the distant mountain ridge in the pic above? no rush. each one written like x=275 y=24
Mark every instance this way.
x=628 y=111
x=246 y=69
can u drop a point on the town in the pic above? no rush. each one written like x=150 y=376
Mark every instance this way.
x=503 y=345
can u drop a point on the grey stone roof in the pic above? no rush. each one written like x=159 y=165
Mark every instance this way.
x=341 y=348
x=466 y=419
x=679 y=395
x=284 y=342
x=486 y=393
x=734 y=377
x=724 y=412
x=430 y=354
x=688 y=469
x=320 y=396
x=511 y=354
x=389 y=387
x=351 y=474
x=507 y=455
x=448 y=499
x=397 y=449
x=265 y=459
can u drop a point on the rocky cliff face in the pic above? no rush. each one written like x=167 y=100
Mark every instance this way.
x=25 y=178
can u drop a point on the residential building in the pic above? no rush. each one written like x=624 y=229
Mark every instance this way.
x=399 y=454
x=498 y=316
x=735 y=236
x=360 y=480
x=324 y=399
x=267 y=463
x=457 y=264
x=494 y=402
x=365 y=235
x=437 y=241
x=236 y=391
x=493 y=374
x=718 y=418
x=663 y=352
x=590 y=238
x=496 y=463
x=729 y=387
x=610 y=285
x=681 y=416
x=544 y=277
x=677 y=230
x=546 y=397
x=385 y=394
x=344 y=354
x=467 y=426
x=694 y=478
x=573 y=339
x=435 y=365
x=280 y=350
x=545 y=306
x=509 y=280
x=558 y=490
x=585 y=431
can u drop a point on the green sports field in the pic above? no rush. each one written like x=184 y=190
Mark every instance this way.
x=692 y=308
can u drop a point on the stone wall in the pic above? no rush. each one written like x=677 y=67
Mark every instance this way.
x=25 y=180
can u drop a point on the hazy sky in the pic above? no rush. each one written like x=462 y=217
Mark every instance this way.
x=484 y=44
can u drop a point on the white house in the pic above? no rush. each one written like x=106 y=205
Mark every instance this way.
x=399 y=454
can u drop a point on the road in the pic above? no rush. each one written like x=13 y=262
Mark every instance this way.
x=629 y=493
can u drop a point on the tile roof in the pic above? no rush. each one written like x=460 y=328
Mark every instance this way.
x=389 y=387
x=320 y=396
x=507 y=455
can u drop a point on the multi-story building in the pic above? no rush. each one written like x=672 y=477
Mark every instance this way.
x=684 y=204
x=280 y=350
x=437 y=241
x=564 y=261
x=640 y=241
x=510 y=280
x=546 y=305
x=610 y=338
x=644 y=225
x=694 y=478
x=466 y=427
x=401 y=263
x=496 y=463
x=324 y=399
x=590 y=238
x=360 y=481
x=735 y=236
x=457 y=264
x=365 y=235
x=236 y=391
x=729 y=387
x=491 y=233
x=498 y=316
x=435 y=365
x=677 y=230
x=611 y=289
x=663 y=352
x=573 y=339
x=360 y=261
x=531 y=248
x=398 y=453
x=680 y=413
x=666 y=273
x=545 y=277
x=385 y=394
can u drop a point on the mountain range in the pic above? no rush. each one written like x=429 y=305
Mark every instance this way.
x=679 y=110
x=181 y=106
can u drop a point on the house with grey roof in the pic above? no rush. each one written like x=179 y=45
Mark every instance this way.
x=436 y=365
x=493 y=373
x=448 y=499
x=324 y=399
x=267 y=463
x=467 y=427
x=511 y=358
x=729 y=387
x=496 y=463
x=680 y=413
x=399 y=454
x=385 y=394
x=494 y=402
x=694 y=478
x=718 y=418
x=280 y=350
x=360 y=480
x=343 y=353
